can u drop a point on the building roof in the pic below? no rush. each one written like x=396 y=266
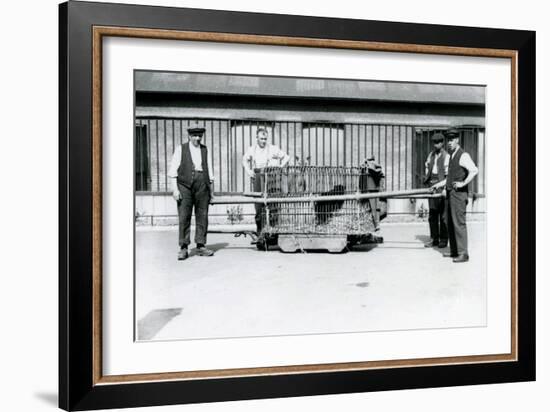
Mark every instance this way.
x=169 y=82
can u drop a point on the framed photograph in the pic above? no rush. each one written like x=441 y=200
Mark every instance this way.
x=257 y=205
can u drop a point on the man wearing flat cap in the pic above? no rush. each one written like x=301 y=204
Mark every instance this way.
x=191 y=182
x=461 y=172
x=435 y=171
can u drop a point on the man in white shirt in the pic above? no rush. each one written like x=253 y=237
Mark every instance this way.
x=191 y=179
x=435 y=171
x=263 y=154
x=258 y=156
x=461 y=172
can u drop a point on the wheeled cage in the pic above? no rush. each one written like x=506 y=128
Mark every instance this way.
x=317 y=207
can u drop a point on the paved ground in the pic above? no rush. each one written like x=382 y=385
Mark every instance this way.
x=244 y=292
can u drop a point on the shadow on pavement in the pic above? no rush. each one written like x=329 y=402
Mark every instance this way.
x=154 y=321
x=214 y=246
x=426 y=239
x=423 y=238
x=364 y=248
x=355 y=248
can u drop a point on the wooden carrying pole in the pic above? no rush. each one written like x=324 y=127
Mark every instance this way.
x=319 y=198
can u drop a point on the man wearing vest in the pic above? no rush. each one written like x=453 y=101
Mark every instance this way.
x=191 y=181
x=461 y=172
x=436 y=170
x=258 y=156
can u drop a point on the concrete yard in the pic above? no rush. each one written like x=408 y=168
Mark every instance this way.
x=245 y=292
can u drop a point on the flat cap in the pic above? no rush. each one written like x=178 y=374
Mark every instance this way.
x=452 y=133
x=195 y=127
x=438 y=137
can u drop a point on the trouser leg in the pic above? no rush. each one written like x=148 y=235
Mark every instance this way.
x=273 y=214
x=258 y=207
x=459 y=201
x=185 y=209
x=201 y=192
x=434 y=214
x=450 y=226
x=443 y=234
x=273 y=189
x=433 y=220
x=258 y=217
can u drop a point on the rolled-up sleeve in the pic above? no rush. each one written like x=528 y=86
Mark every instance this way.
x=467 y=163
x=427 y=164
x=282 y=156
x=175 y=163
x=211 y=172
x=248 y=155
x=247 y=161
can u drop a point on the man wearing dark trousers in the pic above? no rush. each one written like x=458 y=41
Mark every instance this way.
x=262 y=154
x=461 y=172
x=191 y=181
x=436 y=170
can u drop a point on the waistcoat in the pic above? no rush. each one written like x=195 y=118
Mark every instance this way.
x=440 y=165
x=456 y=172
x=186 y=170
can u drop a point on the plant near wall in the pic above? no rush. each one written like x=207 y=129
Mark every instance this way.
x=422 y=211
x=235 y=214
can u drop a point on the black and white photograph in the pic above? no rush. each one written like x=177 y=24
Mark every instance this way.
x=280 y=206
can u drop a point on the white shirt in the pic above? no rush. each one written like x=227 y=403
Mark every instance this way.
x=465 y=161
x=195 y=156
x=435 y=170
x=270 y=155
